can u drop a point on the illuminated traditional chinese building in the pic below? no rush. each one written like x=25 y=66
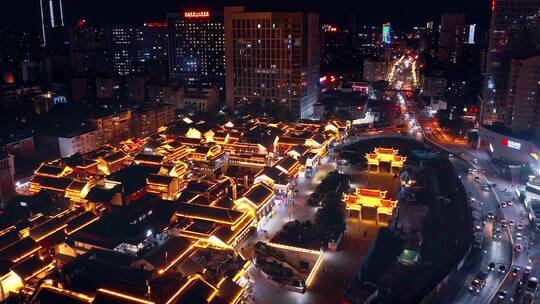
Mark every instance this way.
x=369 y=204
x=384 y=157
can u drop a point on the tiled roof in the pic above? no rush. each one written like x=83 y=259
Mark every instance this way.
x=223 y=215
x=259 y=194
x=149 y=158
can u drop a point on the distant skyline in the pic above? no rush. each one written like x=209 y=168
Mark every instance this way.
x=401 y=13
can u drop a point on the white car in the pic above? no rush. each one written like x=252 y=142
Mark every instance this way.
x=519 y=236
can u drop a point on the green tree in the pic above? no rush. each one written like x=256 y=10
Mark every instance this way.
x=330 y=219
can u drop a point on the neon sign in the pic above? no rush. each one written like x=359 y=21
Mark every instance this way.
x=155 y=24
x=201 y=14
x=510 y=144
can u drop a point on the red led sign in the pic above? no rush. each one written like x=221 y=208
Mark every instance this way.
x=199 y=14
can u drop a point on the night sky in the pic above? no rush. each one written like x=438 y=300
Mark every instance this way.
x=402 y=13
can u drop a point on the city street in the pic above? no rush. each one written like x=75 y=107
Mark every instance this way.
x=500 y=251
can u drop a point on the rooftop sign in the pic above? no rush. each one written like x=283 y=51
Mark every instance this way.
x=197 y=14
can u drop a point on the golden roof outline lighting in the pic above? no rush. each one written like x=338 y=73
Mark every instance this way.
x=125 y=296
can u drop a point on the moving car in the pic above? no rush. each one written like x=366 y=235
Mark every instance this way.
x=515 y=272
x=477 y=179
x=486 y=187
x=532 y=285
x=490 y=215
x=478 y=283
x=475 y=161
x=526 y=274
x=503 y=205
x=520 y=226
x=497 y=233
x=510 y=202
x=491 y=266
x=518 y=248
x=502 y=269
x=502 y=295
x=530 y=290
x=519 y=236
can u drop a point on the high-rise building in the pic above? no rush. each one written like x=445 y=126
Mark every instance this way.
x=272 y=59
x=522 y=100
x=451 y=38
x=197 y=48
x=152 y=45
x=514 y=34
x=124 y=49
x=52 y=18
x=425 y=38
x=386 y=30
x=335 y=49
x=89 y=47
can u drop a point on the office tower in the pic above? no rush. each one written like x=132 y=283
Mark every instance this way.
x=52 y=18
x=425 y=39
x=272 y=59
x=513 y=35
x=89 y=49
x=124 y=49
x=451 y=38
x=522 y=98
x=196 y=48
x=333 y=57
x=152 y=45
x=386 y=30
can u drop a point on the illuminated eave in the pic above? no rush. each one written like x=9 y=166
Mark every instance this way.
x=188 y=283
x=178 y=258
x=72 y=294
x=125 y=296
x=69 y=232
x=27 y=254
x=51 y=233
